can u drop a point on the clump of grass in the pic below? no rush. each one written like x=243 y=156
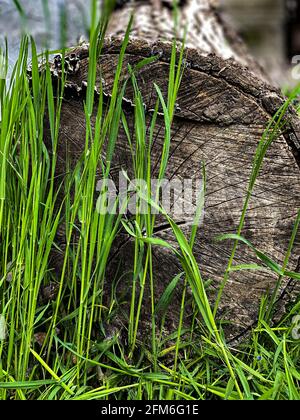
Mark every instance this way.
x=49 y=350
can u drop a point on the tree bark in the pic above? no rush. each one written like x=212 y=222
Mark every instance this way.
x=223 y=110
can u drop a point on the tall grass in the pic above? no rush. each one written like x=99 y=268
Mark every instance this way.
x=57 y=348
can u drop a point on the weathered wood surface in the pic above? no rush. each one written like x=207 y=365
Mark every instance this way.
x=199 y=22
x=223 y=109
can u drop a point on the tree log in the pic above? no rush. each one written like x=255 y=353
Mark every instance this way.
x=223 y=110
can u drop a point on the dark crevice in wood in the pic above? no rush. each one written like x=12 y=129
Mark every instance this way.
x=166 y=226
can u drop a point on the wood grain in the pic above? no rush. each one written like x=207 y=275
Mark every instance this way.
x=222 y=112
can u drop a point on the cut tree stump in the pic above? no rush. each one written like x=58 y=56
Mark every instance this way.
x=223 y=110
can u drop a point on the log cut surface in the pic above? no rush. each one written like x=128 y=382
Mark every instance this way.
x=222 y=112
